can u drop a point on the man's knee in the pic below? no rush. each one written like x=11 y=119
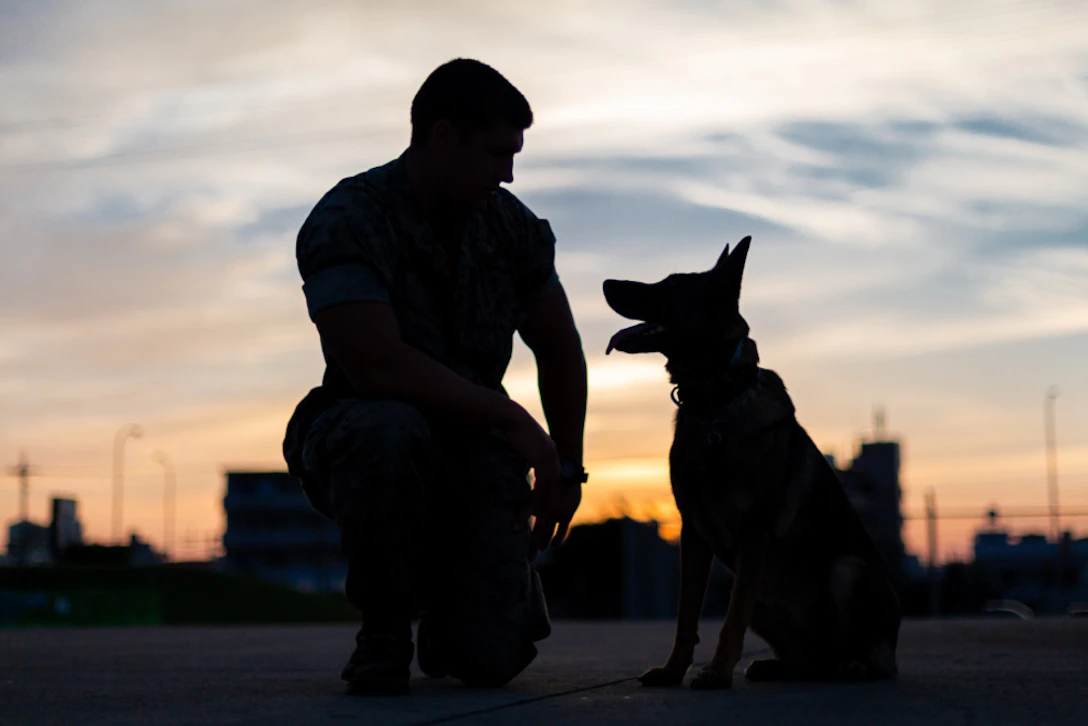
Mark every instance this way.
x=489 y=659
x=374 y=456
x=376 y=432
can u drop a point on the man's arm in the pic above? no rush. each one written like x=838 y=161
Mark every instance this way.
x=550 y=333
x=364 y=337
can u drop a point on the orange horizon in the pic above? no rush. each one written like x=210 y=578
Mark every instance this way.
x=628 y=433
x=635 y=487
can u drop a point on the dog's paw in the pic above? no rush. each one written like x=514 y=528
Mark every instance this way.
x=711 y=680
x=662 y=676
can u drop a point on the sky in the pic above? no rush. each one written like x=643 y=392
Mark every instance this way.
x=914 y=176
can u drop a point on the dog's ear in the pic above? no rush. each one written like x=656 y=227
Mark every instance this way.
x=636 y=300
x=727 y=274
x=722 y=258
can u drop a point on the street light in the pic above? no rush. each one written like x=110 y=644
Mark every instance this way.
x=169 y=495
x=1051 y=461
x=123 y=434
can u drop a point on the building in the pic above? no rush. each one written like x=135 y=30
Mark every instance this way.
x=35 y=544
x=621 y=569
x=65 y=530
x=28 y=544
x=274 y=534
x=872 y=484
x=1046 y=576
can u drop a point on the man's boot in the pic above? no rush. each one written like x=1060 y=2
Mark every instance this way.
x=380 y=665
x=428 y=656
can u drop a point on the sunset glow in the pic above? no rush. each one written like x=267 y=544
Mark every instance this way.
x=913 y=177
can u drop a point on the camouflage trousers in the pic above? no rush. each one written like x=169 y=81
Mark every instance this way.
x=428 y=519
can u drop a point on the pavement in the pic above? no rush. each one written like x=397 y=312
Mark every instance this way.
x=952 y=671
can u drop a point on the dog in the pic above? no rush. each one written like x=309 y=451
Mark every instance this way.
x=754 y=490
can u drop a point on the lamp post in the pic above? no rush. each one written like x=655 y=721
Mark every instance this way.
x=1051 y=461
x=169 y=494
x=123 y=434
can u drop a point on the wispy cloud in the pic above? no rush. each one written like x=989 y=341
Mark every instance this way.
x=913 y=175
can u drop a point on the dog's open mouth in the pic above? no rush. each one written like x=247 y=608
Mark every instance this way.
x=641 y=338
x=635 y=301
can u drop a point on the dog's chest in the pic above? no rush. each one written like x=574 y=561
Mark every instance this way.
x=714 y=494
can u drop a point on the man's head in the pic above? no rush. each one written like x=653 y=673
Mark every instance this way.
x=467 y=122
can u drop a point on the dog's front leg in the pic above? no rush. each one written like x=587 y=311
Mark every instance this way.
x=718 y=673
x=696 y=557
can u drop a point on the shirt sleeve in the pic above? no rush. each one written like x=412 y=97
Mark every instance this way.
x=345 y=254
x=536 y=255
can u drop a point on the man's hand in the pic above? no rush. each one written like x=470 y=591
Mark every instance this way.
x=554 y=505
x=550 y=333
x=553 y=501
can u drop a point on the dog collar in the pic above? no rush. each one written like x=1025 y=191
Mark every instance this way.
x=734 y=360
x=716 y=425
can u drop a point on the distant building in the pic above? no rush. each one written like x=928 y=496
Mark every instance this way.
x=872 y=485
x=65 y=530
x=35 y=544
x=1046 y=576
x=620 y=569
x=274 y=534
x=28 y=544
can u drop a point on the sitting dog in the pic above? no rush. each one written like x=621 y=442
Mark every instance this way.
x=755 y=491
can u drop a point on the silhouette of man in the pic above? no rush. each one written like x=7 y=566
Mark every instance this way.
x=417 y=274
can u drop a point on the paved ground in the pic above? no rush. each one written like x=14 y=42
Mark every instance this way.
x=952 y=672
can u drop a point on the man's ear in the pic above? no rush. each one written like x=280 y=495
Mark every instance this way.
x=443 y=134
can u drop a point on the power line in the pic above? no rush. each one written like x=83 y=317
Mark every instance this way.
x=1026 y=513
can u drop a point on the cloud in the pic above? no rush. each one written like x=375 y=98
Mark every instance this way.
x=912 y=176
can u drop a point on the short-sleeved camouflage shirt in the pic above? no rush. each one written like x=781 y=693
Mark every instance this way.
x=458 y=298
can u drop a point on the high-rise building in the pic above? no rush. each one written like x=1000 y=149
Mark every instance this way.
x=872 y=485
x=65 y=529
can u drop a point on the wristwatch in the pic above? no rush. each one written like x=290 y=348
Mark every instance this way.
x=571 y=472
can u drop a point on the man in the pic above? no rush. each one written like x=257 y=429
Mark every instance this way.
x=417 y=274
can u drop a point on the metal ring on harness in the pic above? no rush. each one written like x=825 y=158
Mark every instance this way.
x=714 y=437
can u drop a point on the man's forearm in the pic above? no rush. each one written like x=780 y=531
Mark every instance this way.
x=561 y=375
x=407 y=374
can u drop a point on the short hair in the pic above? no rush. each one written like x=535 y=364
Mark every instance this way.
x=471 y=95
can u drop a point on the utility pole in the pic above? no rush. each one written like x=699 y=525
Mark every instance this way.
x=169 y=496
x=931 y=536
x=134 y=431
x=22 y=470
x=1051 y=462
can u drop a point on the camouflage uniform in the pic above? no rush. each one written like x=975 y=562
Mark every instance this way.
x=426 y=506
